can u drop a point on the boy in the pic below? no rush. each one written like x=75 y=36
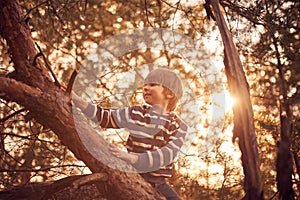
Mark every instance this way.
x=156 y=132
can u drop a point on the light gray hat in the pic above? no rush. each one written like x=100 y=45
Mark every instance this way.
x=167 y=78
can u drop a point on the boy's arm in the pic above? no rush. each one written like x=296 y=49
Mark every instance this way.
x=130 y=157
x=100 y=115
x=153 y=160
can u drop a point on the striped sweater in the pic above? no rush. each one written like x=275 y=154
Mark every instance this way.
x=156 y=138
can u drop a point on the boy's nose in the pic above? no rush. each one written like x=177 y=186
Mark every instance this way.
x=146 y=87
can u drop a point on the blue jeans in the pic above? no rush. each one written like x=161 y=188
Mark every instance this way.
x=167 y=191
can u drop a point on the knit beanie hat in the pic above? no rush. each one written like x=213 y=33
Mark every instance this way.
x=167 y=78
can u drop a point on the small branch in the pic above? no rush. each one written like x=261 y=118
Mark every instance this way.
x=56 y=82
x=274 y=195
x=71 y=83
x=28 y=137
x=33 y=8
x=35 y=58
x=12 y=115
x=46 y=169
x=210 y=14
x=146 y=11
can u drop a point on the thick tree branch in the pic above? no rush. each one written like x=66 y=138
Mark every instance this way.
x=74 y=181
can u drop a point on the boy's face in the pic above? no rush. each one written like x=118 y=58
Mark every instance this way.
x=153 y=94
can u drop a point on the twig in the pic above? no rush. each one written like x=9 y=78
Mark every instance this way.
x=272 y=197
x=11 y=115
x=71 y=83
x=56 y=82
x=35 y=58
x=146 y=11
x=210 y=14
x=46 y=169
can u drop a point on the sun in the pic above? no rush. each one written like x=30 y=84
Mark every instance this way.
x=230 y=101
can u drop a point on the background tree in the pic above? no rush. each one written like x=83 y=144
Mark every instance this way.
x=273 y=60
x=242 y=113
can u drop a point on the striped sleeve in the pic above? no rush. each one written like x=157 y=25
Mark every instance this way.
x=117 y=118
x=90 y=111
x=155 y=159
x=104 y=117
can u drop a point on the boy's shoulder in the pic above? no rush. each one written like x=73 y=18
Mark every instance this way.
x=181 y=122
x=141 y=108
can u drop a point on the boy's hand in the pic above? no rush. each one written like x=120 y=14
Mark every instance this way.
x=131 y=157
x=78 y=101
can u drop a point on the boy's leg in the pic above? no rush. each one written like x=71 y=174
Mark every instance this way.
x=167 y=191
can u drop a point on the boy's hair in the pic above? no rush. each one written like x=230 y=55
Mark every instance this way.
x=170 y=81
x=173 y=101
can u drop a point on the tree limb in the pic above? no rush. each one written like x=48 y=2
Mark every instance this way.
x=73 y=181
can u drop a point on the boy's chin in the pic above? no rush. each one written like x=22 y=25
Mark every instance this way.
x=148 y=102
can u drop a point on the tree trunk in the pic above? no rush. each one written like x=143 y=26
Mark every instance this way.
x=284 y=160
x=30 y=86
x=242 y=110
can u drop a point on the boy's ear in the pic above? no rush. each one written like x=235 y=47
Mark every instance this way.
x=170 y=95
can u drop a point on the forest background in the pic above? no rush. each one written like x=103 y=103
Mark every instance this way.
x=266 y=34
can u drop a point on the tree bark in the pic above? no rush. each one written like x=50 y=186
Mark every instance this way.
x=30 y=86
x=243 y=119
